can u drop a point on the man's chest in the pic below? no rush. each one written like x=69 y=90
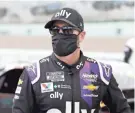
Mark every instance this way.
x=70 y=91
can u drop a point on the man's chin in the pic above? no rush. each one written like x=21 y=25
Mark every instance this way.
x=73 y=53
x=76 y=51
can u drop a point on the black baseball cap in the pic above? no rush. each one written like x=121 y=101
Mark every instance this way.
x=68 y=15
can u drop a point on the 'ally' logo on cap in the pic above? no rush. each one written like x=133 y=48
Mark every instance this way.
x=63 y=13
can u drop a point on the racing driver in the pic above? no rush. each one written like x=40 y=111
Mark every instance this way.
x=67 y=81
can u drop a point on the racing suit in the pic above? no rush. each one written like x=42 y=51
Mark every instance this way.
x=51 y=86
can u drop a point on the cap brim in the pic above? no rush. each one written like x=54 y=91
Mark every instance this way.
x=50 y=23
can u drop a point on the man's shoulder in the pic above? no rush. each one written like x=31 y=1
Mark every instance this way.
x=45 y=59
x=33 y=69
x=105 y=70
x=36 y=64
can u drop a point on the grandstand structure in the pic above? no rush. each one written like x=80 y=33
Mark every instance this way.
x=41 y=11
x=22 y=14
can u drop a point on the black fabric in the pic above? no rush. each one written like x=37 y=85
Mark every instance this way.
x=68 y=93
x=115 y=99
x=69 y=16
x=128 y=52
x=64 y=45
x=26 y=101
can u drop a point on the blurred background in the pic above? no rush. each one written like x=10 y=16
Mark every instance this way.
x=108 y=25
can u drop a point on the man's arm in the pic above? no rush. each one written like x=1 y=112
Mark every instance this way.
x=114 y=98
x=23 y=101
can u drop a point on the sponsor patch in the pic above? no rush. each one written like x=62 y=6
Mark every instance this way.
x=44 y=60
x=65 y=86
x=90 y=95
x=32 y=68
x=62 y=67
x=62 y=86
x=47 y=87
x=79 y=66
x=55 y=76
x=63 y=13
x=107 y=70
x=89 y=77
x=56 y=86
x=56 y=95
x=18 y=90
x=91 y=60
x=20 y=82
x=90 y=87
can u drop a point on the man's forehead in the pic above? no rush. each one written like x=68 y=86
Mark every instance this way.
x=61 y=23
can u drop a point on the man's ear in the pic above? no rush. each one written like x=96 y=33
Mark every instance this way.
x=82 y=36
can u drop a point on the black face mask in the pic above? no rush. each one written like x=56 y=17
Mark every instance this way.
x=64 y=45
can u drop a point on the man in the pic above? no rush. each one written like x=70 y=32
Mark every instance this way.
x=129 y=51
x=67 y=81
